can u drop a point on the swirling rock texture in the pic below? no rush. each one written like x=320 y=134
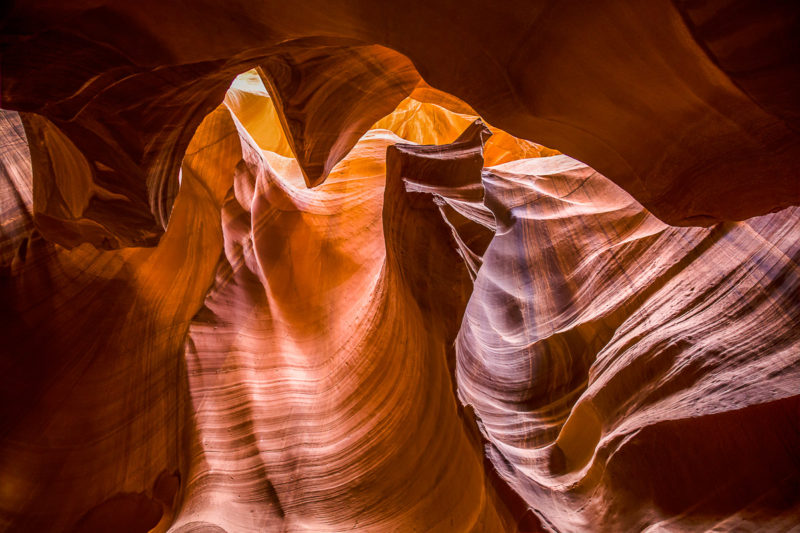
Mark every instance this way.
x=618 y=365
x=331 y=349
x=350 y=292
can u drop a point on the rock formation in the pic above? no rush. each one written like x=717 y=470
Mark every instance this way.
x=620 y=366
x=351 y=292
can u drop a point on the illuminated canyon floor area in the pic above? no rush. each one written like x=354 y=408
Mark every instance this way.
x=306 y=267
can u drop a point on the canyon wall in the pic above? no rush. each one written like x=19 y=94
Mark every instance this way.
x=352 y=292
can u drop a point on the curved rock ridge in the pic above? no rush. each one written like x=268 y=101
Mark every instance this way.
x=320 y=366
x=629 y=375
x=106 y=159
x=327 y=97
x=689 y=106
x=433 y=117
x=16 y=193
x=93 y=392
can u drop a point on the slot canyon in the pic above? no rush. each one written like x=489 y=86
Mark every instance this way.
x=399 y=266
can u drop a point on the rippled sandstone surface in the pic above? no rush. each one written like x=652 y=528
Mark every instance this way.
x=333 y=298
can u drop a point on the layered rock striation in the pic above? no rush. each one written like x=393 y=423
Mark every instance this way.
x=689 y=106
x=352 y=292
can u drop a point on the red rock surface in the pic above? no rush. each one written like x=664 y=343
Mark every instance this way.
x=687 y=105
x=365 y=298
x=625 y=371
